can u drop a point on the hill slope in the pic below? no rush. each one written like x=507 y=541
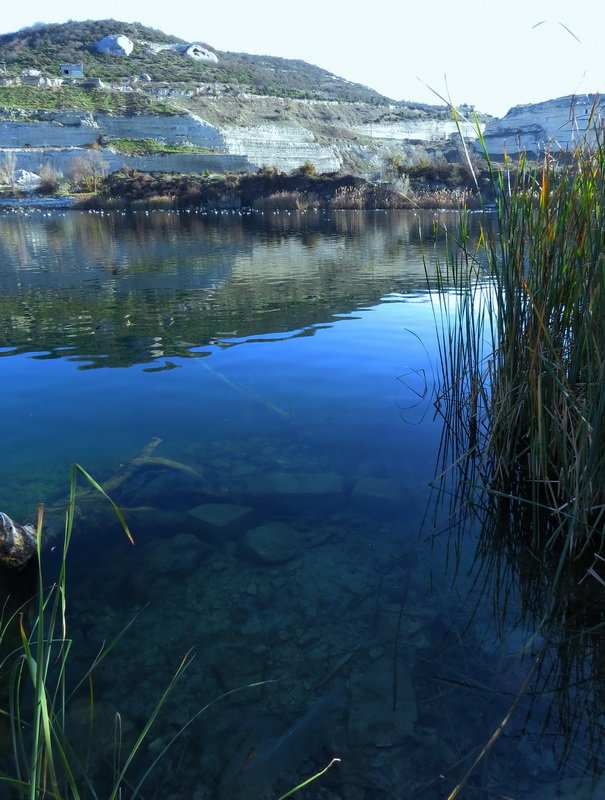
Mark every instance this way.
x=243 y=111
x=45 y=47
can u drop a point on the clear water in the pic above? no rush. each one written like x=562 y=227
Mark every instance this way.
x=290 y=360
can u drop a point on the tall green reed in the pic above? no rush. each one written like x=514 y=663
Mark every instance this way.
x=522 y=377
x=523 y=356
x=46 y=762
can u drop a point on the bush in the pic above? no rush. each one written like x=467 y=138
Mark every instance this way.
x=282 y=201
x=50 y=179
x=307 y=168
x=87 y=171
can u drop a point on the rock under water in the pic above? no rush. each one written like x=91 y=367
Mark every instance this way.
x=17 y=543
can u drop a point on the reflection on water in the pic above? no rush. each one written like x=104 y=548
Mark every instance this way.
x=256 y=393
x=121 y=289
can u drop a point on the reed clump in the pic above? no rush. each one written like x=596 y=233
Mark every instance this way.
x=43 y=758
x=451 y=199
x=283 y=201
x=525 y=359
x=522 y=372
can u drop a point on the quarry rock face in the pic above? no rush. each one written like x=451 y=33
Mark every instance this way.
x=418 y=129
x=554 y=125
x=285 y=146
x=81 y=128
x=116 y=45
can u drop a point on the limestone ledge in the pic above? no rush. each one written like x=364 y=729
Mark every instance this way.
x=284 y=147
x=419 y=129
x=62 y=159
x=78 y=129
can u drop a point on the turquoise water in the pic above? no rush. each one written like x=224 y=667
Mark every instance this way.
x=278 y=372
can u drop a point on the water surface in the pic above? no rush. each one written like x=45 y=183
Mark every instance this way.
x=283 y=366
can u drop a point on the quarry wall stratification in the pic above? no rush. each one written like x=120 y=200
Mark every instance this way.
x=78 y=129
x=283 y=146
x=331 y=135
x=62 y=159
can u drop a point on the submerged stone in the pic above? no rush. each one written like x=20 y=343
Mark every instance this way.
x=166 y=489
x=382 y=496
x=272 y=543
x=18 y=543
x=372 y=719
x=174 y=558
x=309 y=493
x=222 y=521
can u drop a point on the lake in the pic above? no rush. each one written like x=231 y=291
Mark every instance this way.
x=258 y=390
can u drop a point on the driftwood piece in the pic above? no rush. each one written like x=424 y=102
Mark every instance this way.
x=18 y=543
x=146 y=460
x=92 y=507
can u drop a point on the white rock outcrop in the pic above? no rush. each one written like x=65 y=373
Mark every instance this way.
x=194 y=50
x=25 y=180
x=553 y=125
x=198 y=52
x=115 y=45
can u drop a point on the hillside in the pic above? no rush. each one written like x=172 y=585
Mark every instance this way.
x=209 y=110
x=45 y=47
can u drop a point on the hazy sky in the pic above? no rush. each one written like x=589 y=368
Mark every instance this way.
x=482 y=52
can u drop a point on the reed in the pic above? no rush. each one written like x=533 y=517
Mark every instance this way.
x=522 y=371
x=523 y=356
x=283 y=201
x=46 y=762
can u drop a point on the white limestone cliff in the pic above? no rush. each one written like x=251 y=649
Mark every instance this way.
x=553 y=125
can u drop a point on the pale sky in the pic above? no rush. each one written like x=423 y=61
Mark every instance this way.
x=482 y=52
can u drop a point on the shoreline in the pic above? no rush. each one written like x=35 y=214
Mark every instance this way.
x=33 y=200
x=266 y=190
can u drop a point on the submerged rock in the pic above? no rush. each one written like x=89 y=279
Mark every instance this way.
x=272 y=543
x=308 y=493
x=168 y=561
x=373 y=721
x=381 y=496
x=220 y=522
x=254 y=771
x=18 y=543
